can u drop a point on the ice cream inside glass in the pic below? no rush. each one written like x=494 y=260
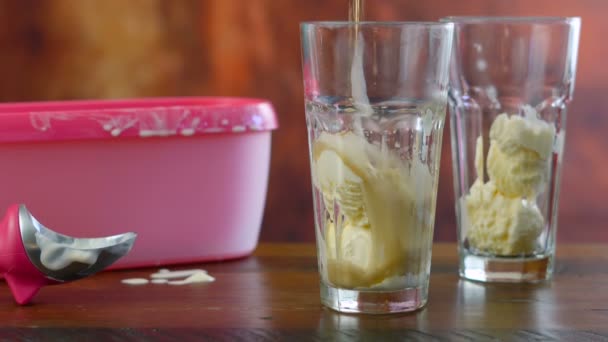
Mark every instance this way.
x=502 y=214
x=375 y=209
x=376 y=98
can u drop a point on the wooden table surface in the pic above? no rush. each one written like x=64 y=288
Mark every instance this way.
x=274 y=295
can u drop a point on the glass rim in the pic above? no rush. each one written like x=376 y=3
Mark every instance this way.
x=509 y=19
x=345 y=24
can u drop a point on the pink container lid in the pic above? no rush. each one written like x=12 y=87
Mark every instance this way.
x=146 y=117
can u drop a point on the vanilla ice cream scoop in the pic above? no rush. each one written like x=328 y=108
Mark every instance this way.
x=499 y=224
x=520 y=173
x=529 y=132
x=520 y=150
x=502 y=216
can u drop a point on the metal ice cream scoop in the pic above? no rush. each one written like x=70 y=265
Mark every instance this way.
x=32 y=256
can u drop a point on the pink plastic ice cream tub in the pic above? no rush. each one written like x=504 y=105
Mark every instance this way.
x=188 y=175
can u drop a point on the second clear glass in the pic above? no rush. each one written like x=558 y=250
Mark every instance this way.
x=511 y=79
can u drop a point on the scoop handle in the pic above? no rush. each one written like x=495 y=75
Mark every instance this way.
x=23 y=278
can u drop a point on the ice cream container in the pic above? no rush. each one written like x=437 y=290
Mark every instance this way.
x=188 y=175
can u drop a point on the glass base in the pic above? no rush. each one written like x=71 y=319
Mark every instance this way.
x=373 y=302
x=509 y=270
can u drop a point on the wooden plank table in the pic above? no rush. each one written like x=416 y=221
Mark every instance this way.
x=274 y=295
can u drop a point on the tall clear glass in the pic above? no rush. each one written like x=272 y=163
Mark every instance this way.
x=376 y=98
x=511 y=79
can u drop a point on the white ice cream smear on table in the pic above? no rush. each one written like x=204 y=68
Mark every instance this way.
x=166 y=276
x=198 y=277
x=135 y=281
x=176 y=274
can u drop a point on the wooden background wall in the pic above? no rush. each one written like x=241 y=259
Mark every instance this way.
x=69 y=49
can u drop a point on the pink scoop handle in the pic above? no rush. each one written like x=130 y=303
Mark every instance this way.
x=23 y=278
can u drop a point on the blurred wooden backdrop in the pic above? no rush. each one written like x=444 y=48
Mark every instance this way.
x=69 y=49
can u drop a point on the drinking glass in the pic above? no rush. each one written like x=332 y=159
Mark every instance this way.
x=376 y=98
x=511 y=79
